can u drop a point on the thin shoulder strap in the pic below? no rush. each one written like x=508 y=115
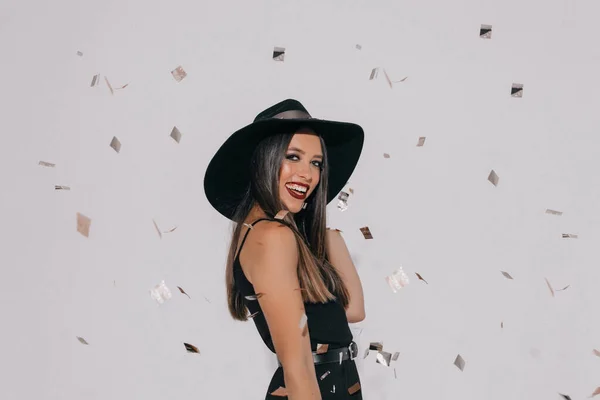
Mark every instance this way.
x=250 y=226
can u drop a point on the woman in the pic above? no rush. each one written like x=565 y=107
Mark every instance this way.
x=273 y=179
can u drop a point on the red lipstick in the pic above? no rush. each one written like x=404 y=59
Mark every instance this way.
x=295 y=190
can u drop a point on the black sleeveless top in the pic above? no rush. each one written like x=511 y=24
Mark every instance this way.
x=327 y=322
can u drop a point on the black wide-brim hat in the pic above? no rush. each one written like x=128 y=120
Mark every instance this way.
x=228 y=174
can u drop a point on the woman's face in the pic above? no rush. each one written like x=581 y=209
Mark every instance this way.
x=300 y=170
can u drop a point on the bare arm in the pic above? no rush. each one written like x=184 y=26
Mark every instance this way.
x=339 y=257
x=274 y=275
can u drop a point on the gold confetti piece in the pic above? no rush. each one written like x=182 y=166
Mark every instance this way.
x=281 y=214
x=384 y=358
x=569 y=235
x=374 y=73
x=191 y=348
x=80 y=54
x=376 y=346
x=493 y=178
x=386 y=155
x=82 y=340
x=366 y=232
x=351 y=190
x=46 y=164
x=254 y=296
x=253 y=315
x=421 y=278
x=115 y=144
x=157 y=230
x=421 y=141
x=324 y=375
x=182 y=291
x=516 y=90
x=281 y=391
x=387 y=78
x=60 y=187
x=553 y=212
x=550 y=287
x=303 y=325
x=564 y=396
x=109 y=85
x=596 y=352
x=178 y=73
x=354 y=388
x=459 y=362
x=278 y=53
x=83 y=224
x=95 y=80
x=506 y=274
x=596 y=392
x=322 y=348
x=395 y=357
x=485 y=32
x=175 y=134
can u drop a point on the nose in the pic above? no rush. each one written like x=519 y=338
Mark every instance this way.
x=303 y=171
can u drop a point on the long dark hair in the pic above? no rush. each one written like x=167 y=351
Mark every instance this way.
x=319 y=279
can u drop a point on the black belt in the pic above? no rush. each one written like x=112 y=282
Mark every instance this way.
x=333 y=355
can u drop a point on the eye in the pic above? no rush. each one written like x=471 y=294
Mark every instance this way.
x=291 y=157
x=318 y=164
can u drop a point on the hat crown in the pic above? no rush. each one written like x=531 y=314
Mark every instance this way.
x=281 y=107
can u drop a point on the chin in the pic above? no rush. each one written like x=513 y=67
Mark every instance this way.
x=294 y=208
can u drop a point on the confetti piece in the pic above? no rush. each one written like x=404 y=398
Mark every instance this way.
x=506 y=274
x=115 y=144
x=46 y=164
x=420 y=277
x=279 y=53
x=303 y=325
x=322 y=348
x=378 y=346
x=596 y=392
x=182 y=291
x=493 y=178
x=569 y=235
x=333 y=229
x=366 y=232
x=395 y=357
x=248 y=226
x=253 y=315
x=354 y=388
x=60 y=187
x=395 y=376
x=83 y=224
x=386 y=155
x=157 y=230
x=401 y=80
x=564 y=396
x=160 y=292
x=552 y=212
x=421 y=141
x=384 y=358
x=82 y=340
x=351 y=190
x=281 y=391
x=281 y=214
x=596 y=352
x=566 y=287
x=359 y=47
x=343 y=201
x=550 y=287
x=374 y=73
x=179 y=74
x=397 y=280
x=95 y=80
x=324 y=375
x=516 y=90
x=109 y=85
x=175 y=134
x=366 y=354
x=80 y=54
x=387 y=78
x=459 y=362
x=502 y=325
x=254 y=296
x=191 y=348
x=485 y=32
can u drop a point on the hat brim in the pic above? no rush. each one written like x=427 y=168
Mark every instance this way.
x=228 y=173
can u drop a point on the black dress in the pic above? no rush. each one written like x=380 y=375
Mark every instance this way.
x=327 y=324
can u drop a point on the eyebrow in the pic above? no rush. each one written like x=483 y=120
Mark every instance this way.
x=303 y=152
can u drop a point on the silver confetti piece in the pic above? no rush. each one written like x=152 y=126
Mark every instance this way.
x=553 y=212
x=248 y=226
x=279 y=53
x=387 y=78
x=493 y=178
x=324 y=375
x=366 y=354
x=46 y=164
x=384 y=358
x=157 y=229
x=82 y=340
x=377 y=346
x=109 y=85
x=115 y=144
x=459 y=362
x=397 y=280
x=516 y=90
x=80 y=54
x=160 y=292
x=359 y=47
x=95 y=80
x=374 y=73
x=569 y=235
x=179 y=74
x=421 y=141
x=395 y=357
x=386 y=155
x=343 y=201
x=485 y=32
x=60 y=187
x=175 y=134
x=506 y=274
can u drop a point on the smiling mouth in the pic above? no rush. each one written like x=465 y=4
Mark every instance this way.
x=297 y=191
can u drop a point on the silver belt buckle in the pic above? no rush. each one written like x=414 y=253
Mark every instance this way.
x=353 y=350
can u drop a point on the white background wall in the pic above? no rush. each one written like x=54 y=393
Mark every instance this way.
x=431 y=209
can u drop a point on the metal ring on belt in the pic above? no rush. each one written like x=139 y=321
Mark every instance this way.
x=333 y=355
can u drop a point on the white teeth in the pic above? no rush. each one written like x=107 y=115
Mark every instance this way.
x=297 y=188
